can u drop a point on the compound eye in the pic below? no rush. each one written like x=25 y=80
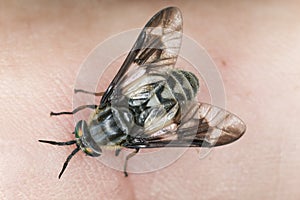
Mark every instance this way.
x=91 y=152
x=80 y=126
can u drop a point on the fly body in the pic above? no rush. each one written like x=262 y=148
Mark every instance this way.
x=150 y=103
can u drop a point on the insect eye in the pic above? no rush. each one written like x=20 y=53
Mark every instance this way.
x=90 y=152
x=78 y=133
x=79 y=129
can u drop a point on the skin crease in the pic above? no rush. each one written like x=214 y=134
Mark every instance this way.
x=255 y=46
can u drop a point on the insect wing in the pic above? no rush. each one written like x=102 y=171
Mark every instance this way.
x=205 y=126
x=216 y=127
x=157 y=46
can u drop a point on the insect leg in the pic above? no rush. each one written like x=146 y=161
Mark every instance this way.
x=127 y=158
x=75 y=110
x=87 y=92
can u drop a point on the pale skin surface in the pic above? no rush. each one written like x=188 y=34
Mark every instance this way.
x=256 y=47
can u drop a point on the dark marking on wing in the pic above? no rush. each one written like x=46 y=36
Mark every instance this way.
x=215 y=127
x=157 y=46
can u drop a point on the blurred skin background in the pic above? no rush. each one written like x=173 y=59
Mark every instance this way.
x=255 y=45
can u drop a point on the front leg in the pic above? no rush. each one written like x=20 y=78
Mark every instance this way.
x=74 y=111
x=80 y=107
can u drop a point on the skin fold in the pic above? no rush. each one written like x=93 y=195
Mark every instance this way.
x=256 y=47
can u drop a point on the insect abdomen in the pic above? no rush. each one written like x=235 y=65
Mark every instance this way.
x=183 y=84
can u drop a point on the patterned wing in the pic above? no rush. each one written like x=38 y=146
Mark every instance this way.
x=156 y=47
x=204 y=126
x=216 y=127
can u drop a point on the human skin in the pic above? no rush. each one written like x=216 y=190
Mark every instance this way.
x=256 y=47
